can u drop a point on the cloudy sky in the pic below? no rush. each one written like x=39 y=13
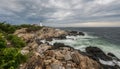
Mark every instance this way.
x=76 y=13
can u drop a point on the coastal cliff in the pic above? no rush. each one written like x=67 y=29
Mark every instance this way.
x=57 y=56
x=43 y=55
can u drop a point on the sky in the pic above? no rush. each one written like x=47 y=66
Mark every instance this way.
x=62 y=13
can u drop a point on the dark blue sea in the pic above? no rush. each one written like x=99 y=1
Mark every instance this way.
x=110 y=34
x=106 y=38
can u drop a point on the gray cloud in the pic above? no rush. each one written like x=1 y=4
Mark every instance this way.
x=57 y=12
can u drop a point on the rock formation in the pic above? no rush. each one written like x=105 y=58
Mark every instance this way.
x=58 y=56
x=104 y=59
x=63 y=57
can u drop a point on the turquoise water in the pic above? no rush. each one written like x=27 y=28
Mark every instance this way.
x=81 y=42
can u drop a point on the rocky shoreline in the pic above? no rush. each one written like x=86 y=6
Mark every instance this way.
x=60 y=56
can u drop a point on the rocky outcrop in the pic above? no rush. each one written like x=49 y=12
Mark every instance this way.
x=24 y=34
x=61 y=37
x=47 y=32
x=113 y=56
x=97 y=53
x=84 y=62
x=107 y=61
x=59 y=56
x=74 y=33
x=62 y=57
x=44 y=33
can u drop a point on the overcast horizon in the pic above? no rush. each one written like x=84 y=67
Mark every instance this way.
x=62 y=13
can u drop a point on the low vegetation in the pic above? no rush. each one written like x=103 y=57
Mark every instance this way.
x=10 y=56
x=30 y=28
x=3 y=42
x=7 y=28
x=15 y=41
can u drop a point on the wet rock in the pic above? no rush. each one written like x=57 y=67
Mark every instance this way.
x=81 y=33
x=61 y=37
x=113 y=56
x=96 y=53
x=49 y=39
x=110 y=54
x=74 y=33
x=38 y=41
x=61 y=45
x=58 y=45
x=110 y=67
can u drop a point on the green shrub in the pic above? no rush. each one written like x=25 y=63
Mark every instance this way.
x=2 y=41
x=10 y=58
x=17 y=42
x=33 y=28
x=7 y=28
x=30 y=28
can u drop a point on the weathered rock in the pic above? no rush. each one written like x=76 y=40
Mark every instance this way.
x=58 y=56
x=33 y=63
x=44 y=33
x=31 y=46
x=47 y=32
x=56 y=65
x=59 y=59
x=47 y=62
x=76 y=58
x=43 y=47
x=38 y=41
x=48 y=67
x=24 y=34
x=67 y=56
x=71 y=65
x=49 y=53
x=84 y=62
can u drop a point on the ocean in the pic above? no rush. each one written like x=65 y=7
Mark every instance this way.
x=110 y=34
x=106 y=38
